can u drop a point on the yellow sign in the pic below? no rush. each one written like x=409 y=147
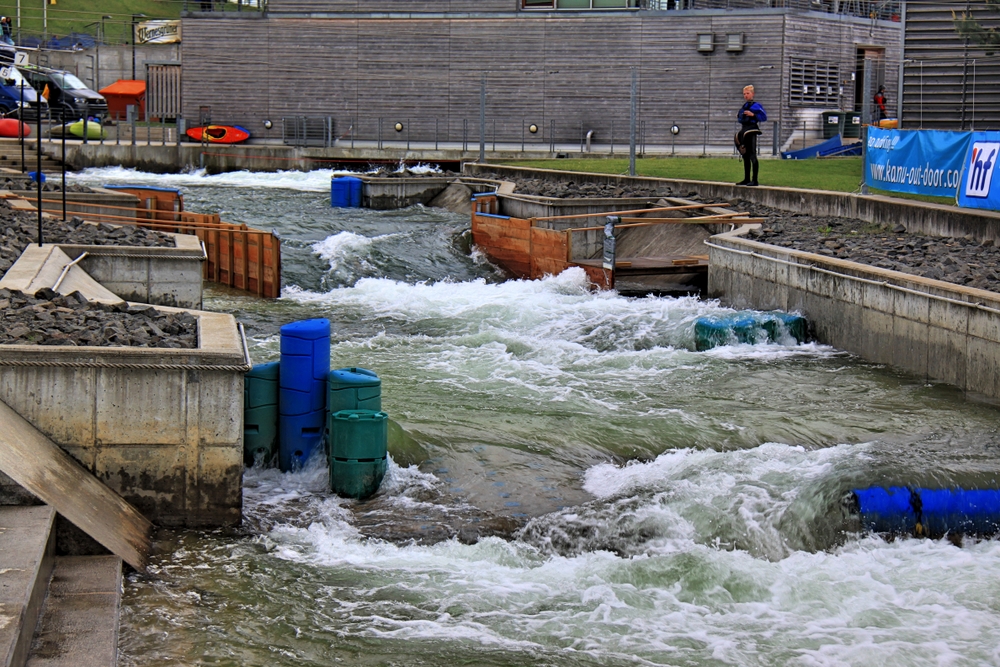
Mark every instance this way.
x=157 y=32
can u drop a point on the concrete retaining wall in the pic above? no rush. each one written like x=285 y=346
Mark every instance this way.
x=935 y=330
x=160 y=276
x=163 y=428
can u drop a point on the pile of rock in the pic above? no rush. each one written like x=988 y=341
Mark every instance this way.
x=49 y=318
x=567 y=189
x=21 y=183
x=18 y=229
x=955 y=260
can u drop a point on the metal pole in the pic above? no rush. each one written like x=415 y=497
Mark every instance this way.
x=20 y=121
x=64 y=166
x=631 y=128
x=482 y=119
x=38 y=173
x=522 y=135
x=866 y=119
x=612 y=137
x=435 y=132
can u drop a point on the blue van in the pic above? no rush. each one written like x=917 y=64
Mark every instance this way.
x=12 y=94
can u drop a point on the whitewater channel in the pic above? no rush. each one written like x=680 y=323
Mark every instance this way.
x=571 y=483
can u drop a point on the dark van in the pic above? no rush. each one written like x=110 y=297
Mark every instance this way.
x=66 y=93
x=12 y=94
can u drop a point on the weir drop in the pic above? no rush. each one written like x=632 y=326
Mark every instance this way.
x=570 y=481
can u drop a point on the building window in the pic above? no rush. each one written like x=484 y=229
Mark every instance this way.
x=579 y=4
x=814 y=83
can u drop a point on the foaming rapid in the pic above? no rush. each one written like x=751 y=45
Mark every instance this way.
x=317 y=180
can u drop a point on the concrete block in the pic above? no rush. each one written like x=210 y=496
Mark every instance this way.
x=154 y=479
x=910 y=306
x=124 y=401
x=982 y=368
x=140 y=429
x=948 y=316
x=45 y=266
x=909 y=346
x=220 y=480
x=946 y=356
x=984 y=324
x=875 y=336
x=877 y=298
x=221 y=421
x=59 y=401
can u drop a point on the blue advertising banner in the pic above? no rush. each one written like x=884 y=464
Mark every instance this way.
x=976 y=190
x=922 y=162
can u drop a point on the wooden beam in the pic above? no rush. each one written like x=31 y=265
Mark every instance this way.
x=32 y=460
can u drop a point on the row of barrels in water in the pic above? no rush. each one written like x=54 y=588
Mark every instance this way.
x=297 y=407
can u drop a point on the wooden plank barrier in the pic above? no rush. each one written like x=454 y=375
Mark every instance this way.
x=549 y=252
x=237 y=256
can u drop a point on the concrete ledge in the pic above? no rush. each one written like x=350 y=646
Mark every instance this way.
x=158 y=276
x=161 y=427
x=933 y=329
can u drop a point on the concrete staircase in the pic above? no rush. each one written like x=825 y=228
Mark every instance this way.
x=55 y=611
x=10 y=156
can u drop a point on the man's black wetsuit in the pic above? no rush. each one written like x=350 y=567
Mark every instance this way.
x=746 y=139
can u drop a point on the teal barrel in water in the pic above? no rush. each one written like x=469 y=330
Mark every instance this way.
x=353 y=389
x=749 y=328
x=260 y=413
x=345 y=192
x=358 y=452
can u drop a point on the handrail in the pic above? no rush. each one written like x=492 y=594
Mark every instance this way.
x=55 y=287
x=640 y=210
x=726 y=217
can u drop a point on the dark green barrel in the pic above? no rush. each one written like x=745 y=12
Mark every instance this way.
x=260 y=413
x=358 y=447
x=353 y=389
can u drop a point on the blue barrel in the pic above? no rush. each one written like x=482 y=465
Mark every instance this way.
x=305 y=364
x=345 y=192
x=929 y=512
x=260 y=414
x=358 y=452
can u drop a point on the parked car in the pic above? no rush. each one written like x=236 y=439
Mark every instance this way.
x=66 y=93
x=13 y=94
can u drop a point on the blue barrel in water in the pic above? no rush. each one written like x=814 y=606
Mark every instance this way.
x=260 y=414
x=928 y=512
x=345 y=192
x=358 y=452
x=305 y=364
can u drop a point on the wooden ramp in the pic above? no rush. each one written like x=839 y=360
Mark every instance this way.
x=39 y=465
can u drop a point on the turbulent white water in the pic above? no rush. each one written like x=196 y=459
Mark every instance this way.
x=630 y=501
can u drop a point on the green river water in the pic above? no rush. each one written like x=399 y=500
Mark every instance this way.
x=619 y=498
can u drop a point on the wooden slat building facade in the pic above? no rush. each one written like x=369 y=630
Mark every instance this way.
x=950 y=82
x=422 y=64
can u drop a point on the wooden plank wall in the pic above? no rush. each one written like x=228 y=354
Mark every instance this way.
x=948 y=84
x=238 y=256
x=549 y=249
x=549 y=68
x=505 y=240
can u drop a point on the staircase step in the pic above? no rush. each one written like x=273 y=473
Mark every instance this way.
x=27 y=544
x=79 y=623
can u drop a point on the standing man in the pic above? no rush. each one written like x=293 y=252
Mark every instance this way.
x=750 y=116
x=880 y=111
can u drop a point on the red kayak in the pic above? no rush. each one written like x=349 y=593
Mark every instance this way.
x=219 y=134
x=9 y=128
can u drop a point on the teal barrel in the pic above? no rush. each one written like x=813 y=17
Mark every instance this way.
x=260 y=413
x=358 y=452
x=353 y=389
x=749 y=328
